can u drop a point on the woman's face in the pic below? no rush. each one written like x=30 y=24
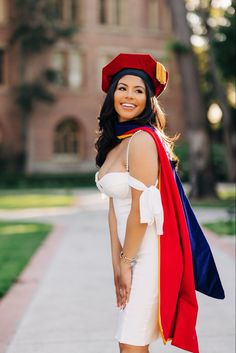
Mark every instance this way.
x=129 y=97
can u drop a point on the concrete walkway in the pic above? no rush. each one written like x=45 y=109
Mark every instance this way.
x=72 y=309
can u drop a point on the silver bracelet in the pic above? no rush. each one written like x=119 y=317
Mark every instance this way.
x=127 y=259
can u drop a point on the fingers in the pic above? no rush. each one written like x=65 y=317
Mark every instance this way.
x=118 y=294
x=124 y=293
x=123 y=286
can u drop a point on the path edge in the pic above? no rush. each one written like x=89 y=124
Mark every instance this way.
x=16 y=301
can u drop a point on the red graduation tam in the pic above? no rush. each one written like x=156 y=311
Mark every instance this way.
x=145 y=62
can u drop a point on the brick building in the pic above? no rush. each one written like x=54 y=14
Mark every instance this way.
x=61 y=135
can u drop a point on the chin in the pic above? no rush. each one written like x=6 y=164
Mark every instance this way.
x=126 y=118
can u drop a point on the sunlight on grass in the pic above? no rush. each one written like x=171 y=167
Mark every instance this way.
x=34 y=201
x=18 y=229
x=226 y=194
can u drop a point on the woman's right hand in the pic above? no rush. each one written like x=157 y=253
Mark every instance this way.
x=117 y=286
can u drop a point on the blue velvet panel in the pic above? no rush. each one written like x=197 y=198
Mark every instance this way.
x=207 y=280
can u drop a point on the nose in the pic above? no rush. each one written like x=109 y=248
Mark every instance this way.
x=129 y=94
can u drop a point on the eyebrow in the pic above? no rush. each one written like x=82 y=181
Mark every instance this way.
x=121 y=83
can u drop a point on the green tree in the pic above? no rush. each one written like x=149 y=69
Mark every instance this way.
x=201 y=174
x=216 y=27
x=222 y=51
x=35 y=29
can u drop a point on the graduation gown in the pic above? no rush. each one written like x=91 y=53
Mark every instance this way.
x=185 y=259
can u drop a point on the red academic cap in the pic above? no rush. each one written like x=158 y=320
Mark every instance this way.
x=145 y=62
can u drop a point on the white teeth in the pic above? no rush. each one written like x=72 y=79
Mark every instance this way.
x=128 y=105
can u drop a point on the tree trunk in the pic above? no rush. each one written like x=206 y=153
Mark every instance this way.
x=201 y=174
x=24 y=118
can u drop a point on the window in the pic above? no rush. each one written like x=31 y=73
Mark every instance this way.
x=69 y=65
x=4 y=15
x=153 y=9
x=112 y=12
x=117 y=12
x=2 y=67
x=102 y=12
x=103 y=60
x=67 y=138
x=1 y=137
x=68 y=10
x=75 y=11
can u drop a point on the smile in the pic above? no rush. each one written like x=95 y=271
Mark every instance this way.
x=128 y=105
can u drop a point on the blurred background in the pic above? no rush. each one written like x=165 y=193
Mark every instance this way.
x=51 y=55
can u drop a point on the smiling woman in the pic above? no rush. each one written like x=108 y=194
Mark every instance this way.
x=150 y=238
x=129 y=176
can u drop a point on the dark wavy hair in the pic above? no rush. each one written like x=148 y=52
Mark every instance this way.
x=107 y=119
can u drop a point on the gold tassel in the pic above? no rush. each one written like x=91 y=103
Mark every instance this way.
x=161 y=73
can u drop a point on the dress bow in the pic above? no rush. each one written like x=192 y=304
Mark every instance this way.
x=151 y=208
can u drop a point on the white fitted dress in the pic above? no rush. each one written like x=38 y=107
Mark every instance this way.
x=137 y=324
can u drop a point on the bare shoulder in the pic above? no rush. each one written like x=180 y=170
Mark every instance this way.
x=143 y=158
x=142 y=142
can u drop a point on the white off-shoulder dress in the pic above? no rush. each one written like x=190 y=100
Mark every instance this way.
x=137 y=324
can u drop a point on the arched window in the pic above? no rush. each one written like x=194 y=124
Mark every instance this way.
x=68 y=138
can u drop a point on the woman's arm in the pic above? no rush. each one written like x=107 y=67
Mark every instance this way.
x=115 y=250
x=115 y=243
x=143 y=165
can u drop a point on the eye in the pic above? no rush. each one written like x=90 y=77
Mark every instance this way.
x=121 y=88
x=139 y=91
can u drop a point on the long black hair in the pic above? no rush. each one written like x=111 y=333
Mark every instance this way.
x=107 y=139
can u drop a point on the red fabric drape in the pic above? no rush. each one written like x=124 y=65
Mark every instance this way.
x=178 y=304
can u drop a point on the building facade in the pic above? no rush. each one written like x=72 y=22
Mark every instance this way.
x=61 y=136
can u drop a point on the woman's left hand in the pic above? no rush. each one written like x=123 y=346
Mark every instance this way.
x=125 y=282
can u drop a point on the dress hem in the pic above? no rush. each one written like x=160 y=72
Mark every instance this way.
x=137 y=344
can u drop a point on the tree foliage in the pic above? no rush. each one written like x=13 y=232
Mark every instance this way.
x=36 y=25
x=28 y=93
x=224 y=42
x=213 y=39
x=204 y=17
x=201 y=173
x=35 y=28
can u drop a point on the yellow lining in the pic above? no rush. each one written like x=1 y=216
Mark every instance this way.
x=120 y=137
x=159 y=271
x=159 y=294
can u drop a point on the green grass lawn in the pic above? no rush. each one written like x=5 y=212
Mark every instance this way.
x=218 y=203
x=222 y=227
x=18 y=242
x=34 y=200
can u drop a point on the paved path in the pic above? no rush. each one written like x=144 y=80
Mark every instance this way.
x=73 y=309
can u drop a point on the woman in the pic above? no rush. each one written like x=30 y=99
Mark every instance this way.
x=151 y=253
